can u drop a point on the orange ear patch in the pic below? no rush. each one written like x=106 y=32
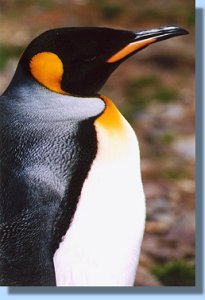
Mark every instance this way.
x=47 y=68
x=129 y=49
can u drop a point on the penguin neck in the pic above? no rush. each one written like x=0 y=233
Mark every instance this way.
x=23 y=85
x=22 y=78
x=111 y=119
x=38 y=100
x=112 y=131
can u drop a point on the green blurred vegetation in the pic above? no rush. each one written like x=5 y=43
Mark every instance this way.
x=175 y=273
x=108 y=9
x=145 y=90
x=174 y=173
x=7 y=52
x=167 y=137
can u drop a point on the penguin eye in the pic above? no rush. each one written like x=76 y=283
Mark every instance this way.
x=89 y=59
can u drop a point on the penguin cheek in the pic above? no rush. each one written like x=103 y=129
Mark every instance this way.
x=86 y=79
x=79 y=81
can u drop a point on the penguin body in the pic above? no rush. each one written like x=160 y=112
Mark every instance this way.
x=72 y=207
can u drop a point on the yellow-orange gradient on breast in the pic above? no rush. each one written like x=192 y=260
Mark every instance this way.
x=112 y=133
x=111 y=119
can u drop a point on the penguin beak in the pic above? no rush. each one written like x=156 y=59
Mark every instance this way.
x=144 y=38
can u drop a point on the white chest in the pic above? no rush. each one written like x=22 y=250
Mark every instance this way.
x=102 y=245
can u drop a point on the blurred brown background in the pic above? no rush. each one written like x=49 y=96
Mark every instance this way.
x=155 y=91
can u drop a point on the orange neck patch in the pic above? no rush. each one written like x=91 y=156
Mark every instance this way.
x=112 y=133
x=47 y=69
x=111 y=118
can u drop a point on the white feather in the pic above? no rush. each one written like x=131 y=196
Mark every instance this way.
x=102 y=245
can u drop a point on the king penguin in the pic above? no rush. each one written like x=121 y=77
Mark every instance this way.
x=72 y=206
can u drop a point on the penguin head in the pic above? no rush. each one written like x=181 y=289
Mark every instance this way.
x=78 y=61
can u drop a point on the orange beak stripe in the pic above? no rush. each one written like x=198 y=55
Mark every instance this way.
x=130 y=48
